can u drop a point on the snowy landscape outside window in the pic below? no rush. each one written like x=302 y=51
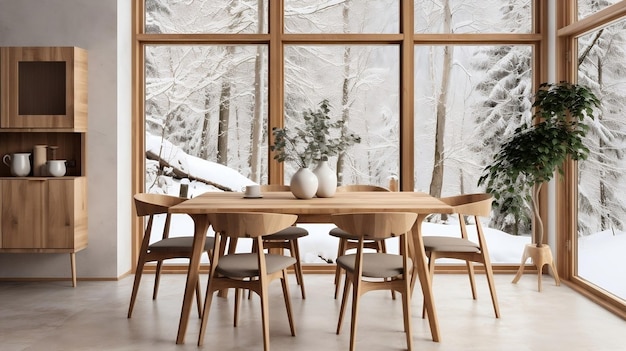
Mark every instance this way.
x=601 y=184
x=206 y=104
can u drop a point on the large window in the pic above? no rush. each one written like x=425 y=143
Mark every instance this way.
x=597 y=225
x=601 y=207
x=217 y=76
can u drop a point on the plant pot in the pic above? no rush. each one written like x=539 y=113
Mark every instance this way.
x=326 y=178
x=303 y=184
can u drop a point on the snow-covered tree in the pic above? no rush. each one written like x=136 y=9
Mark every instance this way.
x=505 y=91
x=602 y=181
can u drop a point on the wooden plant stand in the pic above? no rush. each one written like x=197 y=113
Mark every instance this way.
x=540 y=256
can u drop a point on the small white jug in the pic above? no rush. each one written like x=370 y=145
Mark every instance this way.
x=19 y=163
x=56 y=168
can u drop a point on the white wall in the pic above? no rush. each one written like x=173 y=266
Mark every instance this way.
x=91 y=25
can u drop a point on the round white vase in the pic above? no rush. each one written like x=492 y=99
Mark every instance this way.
x=303 y=184
x=327 y=180
x=56 y=168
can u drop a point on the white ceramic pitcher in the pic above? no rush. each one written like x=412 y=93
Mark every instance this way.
x=19 y=163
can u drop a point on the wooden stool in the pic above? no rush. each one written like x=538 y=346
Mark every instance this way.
x=540 y=256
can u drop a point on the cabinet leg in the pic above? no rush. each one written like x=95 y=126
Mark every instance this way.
x=73 y=266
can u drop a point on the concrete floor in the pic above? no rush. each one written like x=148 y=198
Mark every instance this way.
x=92 y=316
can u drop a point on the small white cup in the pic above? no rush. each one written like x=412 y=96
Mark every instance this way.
x=252 y=190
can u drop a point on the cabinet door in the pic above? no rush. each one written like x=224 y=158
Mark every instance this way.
x=44 y=87
x=22 y=214
x=38 y=214
x=58 y=233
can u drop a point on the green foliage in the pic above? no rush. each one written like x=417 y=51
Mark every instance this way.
x=313 y=141
x=531 y=156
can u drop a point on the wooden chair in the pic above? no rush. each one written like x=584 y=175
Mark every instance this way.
x=287 y=239
x=253 y=271
x=383 y=271
x=461 y=248
x=348 y=241
x=163 y=249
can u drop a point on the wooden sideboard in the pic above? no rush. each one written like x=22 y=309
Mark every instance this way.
x=43 y=101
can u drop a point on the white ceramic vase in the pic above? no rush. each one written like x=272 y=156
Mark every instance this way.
x=56 y=168
x=326 y=180
x=303 y=184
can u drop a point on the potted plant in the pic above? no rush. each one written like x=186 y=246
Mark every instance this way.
x=536 y=150
x=313 y=142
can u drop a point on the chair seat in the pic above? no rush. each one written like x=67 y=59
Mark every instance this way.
x=342 y=234
x=246 y=265
x=375 y=265
x=181 y=243
x=446 y=243
x=290 y=233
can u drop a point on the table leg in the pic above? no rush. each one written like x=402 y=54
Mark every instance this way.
x=419 y=256
x=201 y=225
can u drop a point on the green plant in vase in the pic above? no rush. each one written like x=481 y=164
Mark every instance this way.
x=536 y=150
x=315 y=140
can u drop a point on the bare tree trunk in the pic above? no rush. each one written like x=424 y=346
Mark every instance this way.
x=224 y=115
x=436 y=181
x=587 y=50
x=204 y=136
x=605 y=221
x=345 y=94
x=257 y=120
x=461 y=182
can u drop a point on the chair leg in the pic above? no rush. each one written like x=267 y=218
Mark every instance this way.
x=157 y=279
x=205 y=314
x=133 y=295
x=265 y=315
x=406 y=311
x=283 y=282
x=199 y=298
x=238 y=293
x=470 y=273
x=346 y=289
x=356 y=297
x=431 y=272
x=294 y=249
x=340 y=251
x=492 y=289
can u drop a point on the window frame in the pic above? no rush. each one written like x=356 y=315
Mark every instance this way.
x=569 y=29
x=276 y=39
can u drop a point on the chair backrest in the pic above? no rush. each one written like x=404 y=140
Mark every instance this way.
x=471 y=204
x=375 y=225
x=250 y=224
x=151 y=204
x=360 y=187
x=275 y=187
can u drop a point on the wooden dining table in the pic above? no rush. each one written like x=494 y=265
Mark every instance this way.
x=315 y=210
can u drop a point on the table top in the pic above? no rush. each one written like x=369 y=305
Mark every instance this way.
x=342 y=202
